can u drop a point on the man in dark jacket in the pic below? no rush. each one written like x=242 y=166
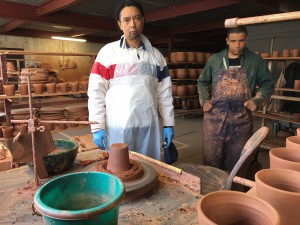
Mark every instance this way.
x=233 y=75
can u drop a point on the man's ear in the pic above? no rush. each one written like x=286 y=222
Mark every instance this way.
x=119 y=24
x=227 y=41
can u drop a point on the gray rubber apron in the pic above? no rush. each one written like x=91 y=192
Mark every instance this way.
x=229 y=125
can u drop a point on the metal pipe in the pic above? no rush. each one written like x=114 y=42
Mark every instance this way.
x=234 y=22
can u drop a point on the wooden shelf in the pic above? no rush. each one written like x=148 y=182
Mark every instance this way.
x=270 y=143
x=282 y=58
x=191 y=96
x=178 y=112
x=186 y=63
x=43 y=95
x=287 y=89
x=184 y=79
x=275 y=117
x=289 y=98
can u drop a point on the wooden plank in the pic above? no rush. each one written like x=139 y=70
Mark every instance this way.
x=287 y=89
x=43 y=95
x=274 y=117
x=286 y=98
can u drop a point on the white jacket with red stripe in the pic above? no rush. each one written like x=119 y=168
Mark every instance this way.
x=127 y=88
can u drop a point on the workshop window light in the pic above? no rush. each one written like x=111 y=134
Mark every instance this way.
x=68 y=39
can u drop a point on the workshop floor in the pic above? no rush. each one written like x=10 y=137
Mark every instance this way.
x=188 y=139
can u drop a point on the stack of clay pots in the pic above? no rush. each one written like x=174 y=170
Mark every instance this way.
x=280 y=185
x=37 y=75
x=190 y=57
x=54 y=113
x=275 y=198
x=23 y=114
x=77 y=112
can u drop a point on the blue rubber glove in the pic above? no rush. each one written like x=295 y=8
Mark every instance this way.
x=100 y=139
x=168 y=133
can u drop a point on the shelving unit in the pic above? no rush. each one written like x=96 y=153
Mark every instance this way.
x=284 y=117
x=180 y=103
x=7 y=99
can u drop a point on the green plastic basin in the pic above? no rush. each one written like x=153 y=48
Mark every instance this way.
x=62 y=158
x=80 y=198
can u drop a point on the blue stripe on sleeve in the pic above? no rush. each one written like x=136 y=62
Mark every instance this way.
x=162 y=73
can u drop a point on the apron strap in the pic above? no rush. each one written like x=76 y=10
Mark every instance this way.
x=225 y=64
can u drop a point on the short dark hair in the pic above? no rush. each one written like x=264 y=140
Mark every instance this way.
x=237 y=30
x=125 y=4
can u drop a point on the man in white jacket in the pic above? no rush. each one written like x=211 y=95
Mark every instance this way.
x=129 y=83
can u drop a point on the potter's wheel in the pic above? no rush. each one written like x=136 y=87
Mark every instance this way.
x=138 y=187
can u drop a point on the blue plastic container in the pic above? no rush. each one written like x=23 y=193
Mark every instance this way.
x=80 y=198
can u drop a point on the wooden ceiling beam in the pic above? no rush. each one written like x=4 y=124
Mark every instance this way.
x=28 y=13
x=54 y=6
x=186 y=9
x=11 y=25
x=271 y=7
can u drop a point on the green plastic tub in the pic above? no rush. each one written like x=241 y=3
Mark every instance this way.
x=80 y=198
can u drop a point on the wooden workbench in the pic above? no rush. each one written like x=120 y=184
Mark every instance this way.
x=172 y=203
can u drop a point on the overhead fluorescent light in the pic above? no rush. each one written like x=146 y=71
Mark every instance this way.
x=68 y=39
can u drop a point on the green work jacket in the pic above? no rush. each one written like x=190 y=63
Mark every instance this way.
x=258 y=74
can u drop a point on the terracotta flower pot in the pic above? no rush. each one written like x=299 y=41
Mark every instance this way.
x=74 y=86
x=191 y=90
x=286 y=52
x=265 y=54
x=190 y=56
x=293 y=142
x=62 y=126
x=173 y=57
x=275 y=54
x=297 y=84
x=23 y=89
x=280 y=188
x=8 y=131
x=192 y=73
x=118 y=160
x=9 y=89
x=285 y=158
x=64 y=87
x=181 y=90
x=84 y=85
x=38 y=88
x=295 y=52
x=181 y=73
x=199 y=57
x=180 y=56
x=51 y=87
x=232 y=207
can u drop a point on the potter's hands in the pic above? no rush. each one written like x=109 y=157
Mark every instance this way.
x=168 y=133
x=207 y=106
x=100 y=139
x=250 y=104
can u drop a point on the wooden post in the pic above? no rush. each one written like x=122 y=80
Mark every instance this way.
x=234 y=22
